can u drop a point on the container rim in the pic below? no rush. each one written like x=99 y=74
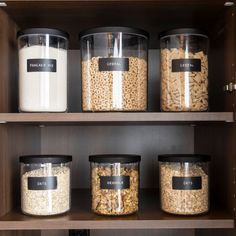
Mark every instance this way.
x=115 y=158
x=32 y=31
x=54 y=159
x=186 y=31
x=193 y=158
x=113 y=29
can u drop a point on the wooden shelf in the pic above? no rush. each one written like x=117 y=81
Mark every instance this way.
x=118 y=117
x=168 y=1
x=149 y=217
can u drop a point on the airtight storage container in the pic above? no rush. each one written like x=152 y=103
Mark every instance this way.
x=184 y=70
x=115 y=184
x=45 y=184
x=114 y=69
x=184 y=184
x=42 y=70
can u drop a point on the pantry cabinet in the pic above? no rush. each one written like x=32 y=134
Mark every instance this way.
x=145 y=133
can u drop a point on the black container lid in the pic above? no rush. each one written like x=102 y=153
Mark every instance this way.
x=115 y=158
x=113 y=29
x=193 y=158
x=54 y=159
x=55 y=32
x=191 y=31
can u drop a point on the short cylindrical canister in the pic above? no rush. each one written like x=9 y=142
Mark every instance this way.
x=115 y=184
x=45 y=184
x=184 y=184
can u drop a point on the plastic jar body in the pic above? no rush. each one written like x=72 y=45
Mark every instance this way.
x=184 y=187
x=42 y=70
x=114 y=69
x=45 y=187
x=184 y=70
x=115 y=188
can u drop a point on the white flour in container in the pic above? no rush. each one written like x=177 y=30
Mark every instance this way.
x=43 y=91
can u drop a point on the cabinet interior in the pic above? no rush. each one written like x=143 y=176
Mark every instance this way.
x=148 y=140
x=81 y=141
x=153 y=16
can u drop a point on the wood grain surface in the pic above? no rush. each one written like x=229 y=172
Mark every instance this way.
x=125 y=117
x=149 y=217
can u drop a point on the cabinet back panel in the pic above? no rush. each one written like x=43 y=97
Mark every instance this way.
x=148 y=141
x=167 y=232
x=219 y=142
x=21 y=233
x=214 y=232
x=8 y=65
x=221 y=62
x=14 y=141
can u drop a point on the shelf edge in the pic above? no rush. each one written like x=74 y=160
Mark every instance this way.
x=116 y=117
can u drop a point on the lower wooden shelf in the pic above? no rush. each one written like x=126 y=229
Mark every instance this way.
x=149 y=217
x=117 y=117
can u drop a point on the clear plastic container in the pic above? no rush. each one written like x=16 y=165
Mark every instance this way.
x=184 y=70
x=42 y=70
x=45 y=184
x=114 y=69
x=115 y=184
x=184 y=184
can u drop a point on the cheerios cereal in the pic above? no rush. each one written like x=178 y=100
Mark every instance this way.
x=114 y=90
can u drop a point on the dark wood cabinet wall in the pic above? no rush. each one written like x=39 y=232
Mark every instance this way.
x=148 y=134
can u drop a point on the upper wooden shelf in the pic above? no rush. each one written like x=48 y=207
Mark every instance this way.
x=117 y=117
x=149 y=217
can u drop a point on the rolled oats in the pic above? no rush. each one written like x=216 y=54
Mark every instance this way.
x=46 y=202
x=183 y=201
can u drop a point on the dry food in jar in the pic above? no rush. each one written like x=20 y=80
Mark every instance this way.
x=173 y=86
x=184 y=184
x=42 y=70
x=114 y=69
x=115 y=184
x=114 y=90
x=45 y=185
x=184 y=71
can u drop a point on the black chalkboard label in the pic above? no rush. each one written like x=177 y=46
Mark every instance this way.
x=186 y=65
x=114 y=182
x=42 y=183
x=113 y=64
x=41 y=65
x=187 y=183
